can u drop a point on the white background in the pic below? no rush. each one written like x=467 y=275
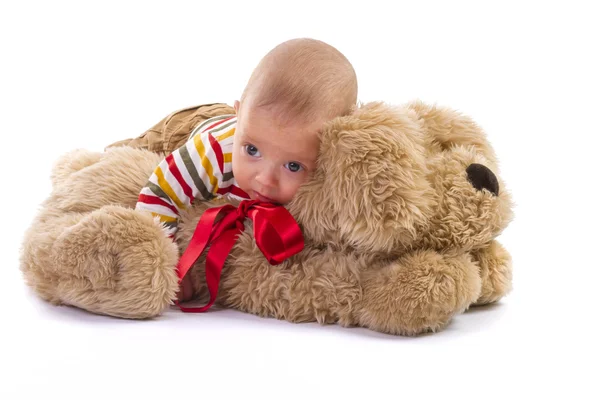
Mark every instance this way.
x=85 y=75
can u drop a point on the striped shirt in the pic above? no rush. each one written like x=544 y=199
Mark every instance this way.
x=200 y=169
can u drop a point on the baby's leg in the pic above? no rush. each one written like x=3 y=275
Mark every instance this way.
x=173 y=131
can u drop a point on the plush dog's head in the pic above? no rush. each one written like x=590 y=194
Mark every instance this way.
x=472 y=203
x=392 y=178
x=370 y=189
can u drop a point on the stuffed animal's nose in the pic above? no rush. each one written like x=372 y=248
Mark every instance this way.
x=481 y=177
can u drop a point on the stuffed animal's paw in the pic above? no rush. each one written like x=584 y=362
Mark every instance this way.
x=116 y=261
x=419 y=292
x=495 y=266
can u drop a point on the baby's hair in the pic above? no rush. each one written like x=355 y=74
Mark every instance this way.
x=303 y=79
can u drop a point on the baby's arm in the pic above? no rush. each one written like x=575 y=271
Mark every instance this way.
x=191 y=172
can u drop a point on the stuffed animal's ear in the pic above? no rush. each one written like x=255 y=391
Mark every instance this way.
x=446 y=129
x=369 y=190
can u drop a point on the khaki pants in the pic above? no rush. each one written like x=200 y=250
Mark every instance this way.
x=174 y=130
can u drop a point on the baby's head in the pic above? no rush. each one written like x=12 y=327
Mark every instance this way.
x=294 y=90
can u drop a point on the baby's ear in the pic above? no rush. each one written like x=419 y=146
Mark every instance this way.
x=369 y=189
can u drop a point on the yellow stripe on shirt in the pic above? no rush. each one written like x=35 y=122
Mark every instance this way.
x=164 y=218
x=205 y=162
x=164 y=185
x=224 y=136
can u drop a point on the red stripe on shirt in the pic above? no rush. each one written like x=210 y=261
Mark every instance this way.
x=217 y=124
x=144 y=198
x=218 y=151
x=177 y=174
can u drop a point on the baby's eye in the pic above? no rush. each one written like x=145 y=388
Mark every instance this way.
x=293 y=166
x=251 y=150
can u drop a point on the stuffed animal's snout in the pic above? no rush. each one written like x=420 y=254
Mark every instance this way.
x=481 y=177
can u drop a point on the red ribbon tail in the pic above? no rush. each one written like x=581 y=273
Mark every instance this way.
x=215 y=260
x=276 y=232
x=198 y=243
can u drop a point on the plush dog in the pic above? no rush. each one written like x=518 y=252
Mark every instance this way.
x=399 y=220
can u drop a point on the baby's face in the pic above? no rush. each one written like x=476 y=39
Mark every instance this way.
x=270 y=159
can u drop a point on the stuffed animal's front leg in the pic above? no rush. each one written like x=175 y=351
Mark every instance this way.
x=113 y=261
x=316 y=285
x=495 y=266
x=418 y=292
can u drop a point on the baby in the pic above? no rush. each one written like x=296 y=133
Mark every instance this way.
x=269 y=148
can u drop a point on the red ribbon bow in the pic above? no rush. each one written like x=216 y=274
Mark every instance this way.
x=276 y=232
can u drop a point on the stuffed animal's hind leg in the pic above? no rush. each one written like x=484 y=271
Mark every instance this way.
x=116 y=261
x=72 y=162
x=495 y=266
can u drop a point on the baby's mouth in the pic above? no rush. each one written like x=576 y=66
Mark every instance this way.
x=264 y=198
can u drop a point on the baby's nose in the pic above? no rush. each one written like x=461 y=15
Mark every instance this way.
x=481 y=177
x=266 y=178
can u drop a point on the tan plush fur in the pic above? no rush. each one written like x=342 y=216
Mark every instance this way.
x=398 y=239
